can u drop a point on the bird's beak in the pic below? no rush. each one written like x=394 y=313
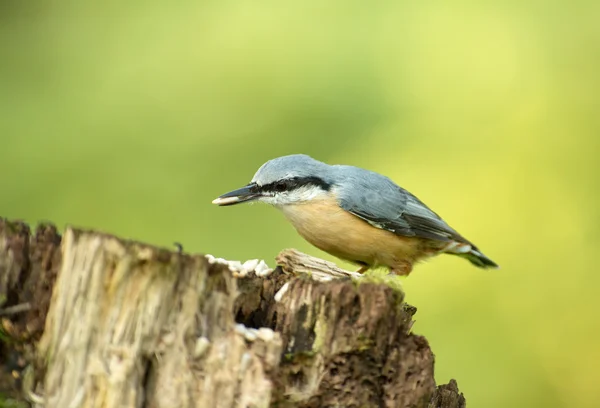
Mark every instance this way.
x=246 y=193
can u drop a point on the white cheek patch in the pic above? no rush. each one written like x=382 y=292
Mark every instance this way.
x=302 y=194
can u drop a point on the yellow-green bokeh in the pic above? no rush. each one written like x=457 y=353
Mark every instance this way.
x=131 y=117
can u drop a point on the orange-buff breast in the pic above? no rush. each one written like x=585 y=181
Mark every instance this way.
x=333 y=230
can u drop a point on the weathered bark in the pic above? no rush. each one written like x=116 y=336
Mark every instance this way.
x=104 y=322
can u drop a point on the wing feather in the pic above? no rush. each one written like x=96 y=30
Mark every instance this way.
x=385 y=205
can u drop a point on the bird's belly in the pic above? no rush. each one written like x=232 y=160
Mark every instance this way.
x=328 y=227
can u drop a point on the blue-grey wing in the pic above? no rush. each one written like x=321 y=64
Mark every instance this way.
x=383 y=204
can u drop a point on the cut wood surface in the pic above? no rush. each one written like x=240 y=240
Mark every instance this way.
x=92 y=320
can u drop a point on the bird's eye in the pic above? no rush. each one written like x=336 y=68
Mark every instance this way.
x=280 y=186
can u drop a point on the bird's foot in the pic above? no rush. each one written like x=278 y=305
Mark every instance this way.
x=363 y=269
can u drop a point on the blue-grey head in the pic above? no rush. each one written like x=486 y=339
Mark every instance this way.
x=285 y=180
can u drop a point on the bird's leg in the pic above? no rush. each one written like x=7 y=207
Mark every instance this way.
x=402 y=268
x=363 y=269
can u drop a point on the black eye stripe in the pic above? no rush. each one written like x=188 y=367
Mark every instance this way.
x=294 y=183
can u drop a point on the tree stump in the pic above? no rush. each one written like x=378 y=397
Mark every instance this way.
x=92 y=320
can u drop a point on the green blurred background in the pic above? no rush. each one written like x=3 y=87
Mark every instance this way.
x=131 y=117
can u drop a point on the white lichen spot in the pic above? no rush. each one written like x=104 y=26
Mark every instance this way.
x=250 y=265
x=245 y=362
x=235 y=266
x=241 y=270
x=213 y=260
x=281 y=292
x=262 y=269
x=240 y=329
x=250 y=334
x=202 y=344
x=265 y=334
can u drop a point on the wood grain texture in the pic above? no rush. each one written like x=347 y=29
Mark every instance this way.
x=117 y=323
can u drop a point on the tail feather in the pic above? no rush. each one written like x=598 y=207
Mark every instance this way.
x=473 y=255
x=480 y=260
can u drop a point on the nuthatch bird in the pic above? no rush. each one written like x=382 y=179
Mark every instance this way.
x=354 y=214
